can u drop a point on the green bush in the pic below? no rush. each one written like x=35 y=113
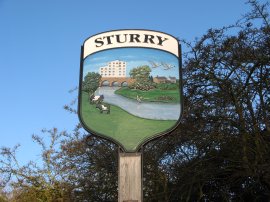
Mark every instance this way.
x=145 y=86
x=167 y=86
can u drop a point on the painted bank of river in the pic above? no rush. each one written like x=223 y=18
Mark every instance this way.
x=128 y=130
x=150 y=110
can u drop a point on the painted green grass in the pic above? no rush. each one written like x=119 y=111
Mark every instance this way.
x=127 y=129
x=151 y=95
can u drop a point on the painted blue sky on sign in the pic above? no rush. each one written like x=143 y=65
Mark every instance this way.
x=134 y=57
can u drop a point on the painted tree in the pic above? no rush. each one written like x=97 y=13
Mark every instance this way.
x=91 y=82
x=141 y=75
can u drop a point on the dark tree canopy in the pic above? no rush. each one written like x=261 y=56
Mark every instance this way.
x=222 y=150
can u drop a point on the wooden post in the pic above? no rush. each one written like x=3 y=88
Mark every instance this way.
x=130 y=177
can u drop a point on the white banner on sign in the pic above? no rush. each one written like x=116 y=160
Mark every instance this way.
x=131 y=38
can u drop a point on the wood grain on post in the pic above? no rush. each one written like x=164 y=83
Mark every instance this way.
x=130 y=177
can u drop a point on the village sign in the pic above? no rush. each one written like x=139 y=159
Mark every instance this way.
x=130 y=86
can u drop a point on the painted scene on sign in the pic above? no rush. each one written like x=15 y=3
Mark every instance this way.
x=130 y=94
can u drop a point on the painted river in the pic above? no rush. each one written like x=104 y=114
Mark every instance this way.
x=149 y=110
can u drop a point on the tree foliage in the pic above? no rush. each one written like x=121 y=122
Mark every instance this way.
x=142 y=78
x=141 y=73
x=91 y=82
x=74 y=167
x=221 y=152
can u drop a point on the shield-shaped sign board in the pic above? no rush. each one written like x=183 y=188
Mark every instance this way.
x=130 y=86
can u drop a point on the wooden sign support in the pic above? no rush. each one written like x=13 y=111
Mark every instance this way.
x=130 y=177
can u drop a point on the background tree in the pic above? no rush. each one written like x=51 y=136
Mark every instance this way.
x=3 y=197
x=221 y=152
x=44 y=181
x=93 y=167
x=74 y=166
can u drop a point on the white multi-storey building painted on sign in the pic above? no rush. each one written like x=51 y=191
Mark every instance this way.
x=114 y=68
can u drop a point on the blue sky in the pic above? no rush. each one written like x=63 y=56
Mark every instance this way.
x=40 y=52
x=134 y=57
